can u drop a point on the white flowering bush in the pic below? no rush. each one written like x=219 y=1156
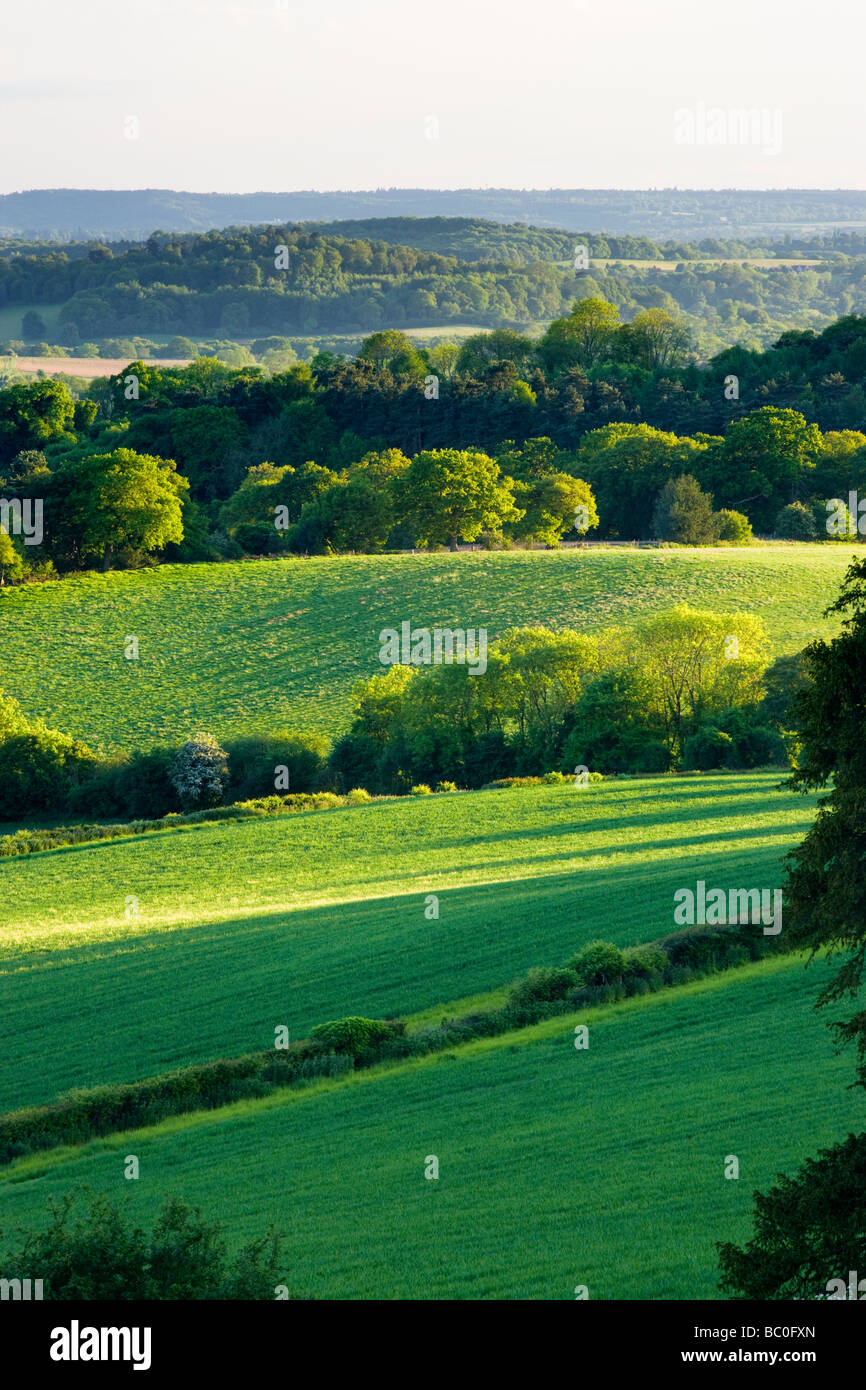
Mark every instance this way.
x=199 y=772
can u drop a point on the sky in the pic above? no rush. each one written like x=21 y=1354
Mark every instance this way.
x=249 y=95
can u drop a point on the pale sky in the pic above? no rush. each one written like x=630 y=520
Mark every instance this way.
x=248 y=95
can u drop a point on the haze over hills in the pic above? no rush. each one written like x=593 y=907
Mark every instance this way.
x=134 y=213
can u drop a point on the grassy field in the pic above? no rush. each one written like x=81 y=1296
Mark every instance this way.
x=759 y=262
x=266 y=644
x=557 y=1168
x=126 y=958
x=293 y=920
x=763 y=262
x=12 y=314
x=87 y=368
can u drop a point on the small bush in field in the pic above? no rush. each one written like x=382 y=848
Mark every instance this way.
x=358 y=796
x=733 y=528
x=542 y=985
x=645 y=962
x=502 y=783
x=446 y=786
x=598 y=963
x=354 y=1035
x=421 y=789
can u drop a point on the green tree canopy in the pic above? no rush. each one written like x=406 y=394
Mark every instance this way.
x=765 y=461
x=452 y=495
x=105 y=505
x=583 y=339
x=627 y=466
x=684 y=513
x=697 y=663
x=481 y=350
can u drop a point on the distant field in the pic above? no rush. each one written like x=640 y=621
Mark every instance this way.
x=762 y=262
x=297 y=919
x=556 y=1167
x=88 y=367
x=454 y=330
x=12 y=314
x=262 y=644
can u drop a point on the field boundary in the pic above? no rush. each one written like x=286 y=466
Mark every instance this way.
x=338 y=1047
x=36 y=1164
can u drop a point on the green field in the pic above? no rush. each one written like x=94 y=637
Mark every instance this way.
x=294 y=920
x=557 y=1168
x=12 y=314
x=763 y=262
x=260 y=645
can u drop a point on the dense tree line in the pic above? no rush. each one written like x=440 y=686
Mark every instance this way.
x=685 y=688
x=235 y=283
x=477 y=239
x=663 y=694
x=597 y=428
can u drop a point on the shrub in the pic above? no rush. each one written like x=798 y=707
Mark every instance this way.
x=280 y=805
x=760 y=745
x=199 y=772
x=645 y=964
x=542 y=984
x=101 y=1255
x=701 y=947
x=684 y=513
x=556 y=779
x=312 y=1069
x=354 y=1035
x=708 y=748
x=598 y=963
x=504 y=782
x=421 y=789
x=253 y=765
x=446 y=786
x=680 y=975
x=733 y=528
x=38 y=770
x=139 y=786
x=358 y=796
x=796 y=523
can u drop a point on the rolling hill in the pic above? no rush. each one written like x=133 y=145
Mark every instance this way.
x=293 y=920
x=125 y=213
x=557 y=1168
x=280 y=643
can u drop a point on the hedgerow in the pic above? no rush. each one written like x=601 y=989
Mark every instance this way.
x=600 y=973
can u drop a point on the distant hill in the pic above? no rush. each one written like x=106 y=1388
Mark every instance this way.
x=62 y=213
x=353 y=277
